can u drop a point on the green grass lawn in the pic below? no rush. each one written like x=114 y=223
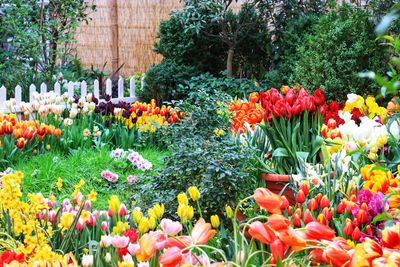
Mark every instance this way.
x=42 y=172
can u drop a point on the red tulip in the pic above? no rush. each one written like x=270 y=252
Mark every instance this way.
x=290 y=97
x=308 y=217
x=313 y=204
x=341 y=207
x=318 y=197
x=278 y=249
x=268 y=200
x=328 y=213
x=391 y=236
x=20 y=143
x=348 y=227
x=315 y=230
x=285 y=203
x=300 y=197
x=319 y=97
x=325 y=203
x=7 y=127
x=305 y=187
x=356 y=235
x=296 y=220
x=362 y=216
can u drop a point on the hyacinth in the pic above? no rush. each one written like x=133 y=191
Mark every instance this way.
x=138 y=161
x=109 y=176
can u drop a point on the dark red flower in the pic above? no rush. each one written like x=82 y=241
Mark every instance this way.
x=319 y=97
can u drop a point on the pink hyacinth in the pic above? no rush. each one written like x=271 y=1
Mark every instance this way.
x=109 y=176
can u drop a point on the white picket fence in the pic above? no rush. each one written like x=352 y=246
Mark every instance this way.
x=71 y=87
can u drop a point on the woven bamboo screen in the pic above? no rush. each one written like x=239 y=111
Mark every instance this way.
x=123 y=32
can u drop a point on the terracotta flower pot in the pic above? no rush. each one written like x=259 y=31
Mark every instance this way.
x=278 y=182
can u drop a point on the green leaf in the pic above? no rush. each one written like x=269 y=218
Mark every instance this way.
x=280 y=152
x=385 y=216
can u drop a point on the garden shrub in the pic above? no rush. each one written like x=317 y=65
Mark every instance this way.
x=288 y=43
x=231 y=86
x=204 y=156
x=161 y=81
x=343 y=45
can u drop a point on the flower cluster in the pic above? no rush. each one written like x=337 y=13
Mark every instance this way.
x=110 y=176
x=133 y=157
x=244 y=113
x=147 y=117
x=292 y=103
x=23 y=131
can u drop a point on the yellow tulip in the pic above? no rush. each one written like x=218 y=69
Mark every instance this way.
x=137 y=215
x=158 y=210
x=114 y=203
x=229 y=212
x=215 y=221
x=194 y=193
x=182 y=199
x=152 y=223
x=144 y=225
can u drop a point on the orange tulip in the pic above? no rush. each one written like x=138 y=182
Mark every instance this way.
x=315 y=230
x=321 y=218
x=337 y=253
x=147 y=247
x=20 y=143
x=254 y=97
x=171 y=257
x=305 y=187
x=262 y=232
x=296 y=220
x=271 y=202
x=391 y=236
x=285 y=203
x=57 y=132
x=202 y=232
x=278 y=222
x=293 y=239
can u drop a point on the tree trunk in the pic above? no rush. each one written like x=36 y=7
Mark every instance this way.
x=229 y=62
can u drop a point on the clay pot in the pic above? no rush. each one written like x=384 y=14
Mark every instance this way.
x=278 y=182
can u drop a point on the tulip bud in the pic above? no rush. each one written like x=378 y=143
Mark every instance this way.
x=215 y=221
x=308 y=217
x=285 y=203
x=137 y=215
x=107 y=258
x=290 y=211
x=313 y=204
x=296 y=220
x=321 y=218
x=298 y=211
x=356 y=235
x=362 y=216
x=364 y=206
x=194 y=193
x=328 y=213
x=182 y=199
x=122 y=210
x=353 y=198
x=325 y=203
x=318 y=197
x=20 y=143
x=229 y=212
x=341 y=207
x=348 y=227
x=300 y=197
x=104 y=226
x=80 y=225
x=305 y=187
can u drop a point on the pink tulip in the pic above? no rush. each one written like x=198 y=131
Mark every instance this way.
x=104 y=226
x=80 y=225
x=170 y=227
x=78 y=198
x=88 y=205
x=122 y=210
x=110 y=213
x=120 y=241
x=105 y=241
x=133 y=248
x=52 y=215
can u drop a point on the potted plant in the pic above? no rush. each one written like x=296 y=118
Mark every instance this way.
x=292 y=124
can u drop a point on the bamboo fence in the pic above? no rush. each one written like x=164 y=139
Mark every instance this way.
x=123 y=32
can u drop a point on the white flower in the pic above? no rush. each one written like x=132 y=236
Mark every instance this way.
x=87 y=260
